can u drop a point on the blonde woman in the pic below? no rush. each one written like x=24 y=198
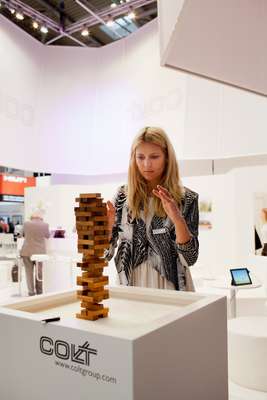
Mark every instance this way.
x=153 y=219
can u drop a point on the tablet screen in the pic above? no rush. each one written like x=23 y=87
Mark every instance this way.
x=241 y=276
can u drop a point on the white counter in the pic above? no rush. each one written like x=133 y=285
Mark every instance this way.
x=155 y=344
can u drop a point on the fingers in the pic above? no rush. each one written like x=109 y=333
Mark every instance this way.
x=110 y=206
x=162 y=193
x=165 y=191
x=110 y=215
x=156 y=193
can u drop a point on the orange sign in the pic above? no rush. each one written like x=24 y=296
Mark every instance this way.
x=15 y=185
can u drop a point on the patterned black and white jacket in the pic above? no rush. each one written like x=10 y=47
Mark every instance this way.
x=138 y=242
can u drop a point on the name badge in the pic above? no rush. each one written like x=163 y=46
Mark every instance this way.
x=159 y=231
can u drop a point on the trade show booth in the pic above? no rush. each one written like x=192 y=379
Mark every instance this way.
x=74 y=111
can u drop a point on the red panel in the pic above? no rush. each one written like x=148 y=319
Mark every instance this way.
x=15 y=185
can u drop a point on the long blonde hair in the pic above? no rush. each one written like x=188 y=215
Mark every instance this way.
x=137 y=190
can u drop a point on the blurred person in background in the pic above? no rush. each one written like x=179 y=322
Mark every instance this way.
x=35 y=232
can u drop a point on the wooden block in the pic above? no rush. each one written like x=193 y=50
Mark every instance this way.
x=95 y=260
x=95 y=287
x=94 y=315
x=86 y=206
x=90 y=284
x=85 y=298
x=82 y=225
x=97 y=230
x=86 y=252
x=100 y=246
x=95 y=274
x=83 y=214
x=82 y=292
x=89 y=200
x=100 y=218
x=101 y=237
x=86 y=223
x=92 y=267
x=79 y=280
x=88 y=231
x=92 y=243
x=91 y=306
x=88 y=242
x=89 y=195
x=92 y=264
x=101 y=209
x=96 y=271
x=103 y=279
x=91 y=251
x=93 y=280
x=104 y=294
x=93 y=219
x=102 y=312
x=93 y=298
x=98 y=252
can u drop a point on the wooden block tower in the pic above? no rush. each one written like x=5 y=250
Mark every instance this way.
x=92 y=229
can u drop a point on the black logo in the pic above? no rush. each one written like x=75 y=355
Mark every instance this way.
x=79 y=354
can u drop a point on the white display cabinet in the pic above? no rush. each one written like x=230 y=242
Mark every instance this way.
x=155 y=344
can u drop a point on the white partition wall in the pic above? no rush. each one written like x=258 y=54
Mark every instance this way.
x=20 y=94
x=168 y=13
x=92 y=102
x=230 y=242
x=76 y=110
x=221 y=40
x=222 y=121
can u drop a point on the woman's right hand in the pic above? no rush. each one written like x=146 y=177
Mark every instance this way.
x=111 y=216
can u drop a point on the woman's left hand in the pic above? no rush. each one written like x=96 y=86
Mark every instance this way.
x=169 y=204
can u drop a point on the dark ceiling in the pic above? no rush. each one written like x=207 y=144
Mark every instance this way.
x=65 y=20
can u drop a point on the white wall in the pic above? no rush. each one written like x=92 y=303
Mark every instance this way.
x=20 y=92
x=222 y=121
x=168 y=16
x=217 y=247
x=86 y=104
x=89 y=103
x=103 y=98
x=230 y=243
x=227 y=42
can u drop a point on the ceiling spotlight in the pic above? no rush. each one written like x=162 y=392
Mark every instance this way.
x=85 y=32
x=12 y=10
x=131 y=14
x=113 y=5
x=110 y=22
x=19 y=16
x=44 y=29
x=121 y=1
x=35 y=25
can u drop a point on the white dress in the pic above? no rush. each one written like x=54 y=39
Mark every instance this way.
x=145 y=275
x=264 y=233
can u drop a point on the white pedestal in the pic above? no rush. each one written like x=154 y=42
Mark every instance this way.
x=247 y=343
x=155 y=344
